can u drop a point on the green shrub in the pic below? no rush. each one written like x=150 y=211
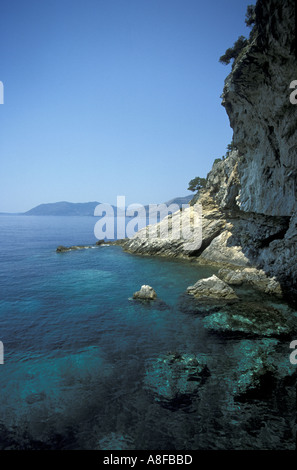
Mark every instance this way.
x=196 y=184
x=233 y=52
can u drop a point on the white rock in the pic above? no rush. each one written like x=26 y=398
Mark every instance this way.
x=213 y=288
x=145 y=293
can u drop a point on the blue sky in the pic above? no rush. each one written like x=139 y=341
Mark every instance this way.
x=111 y=97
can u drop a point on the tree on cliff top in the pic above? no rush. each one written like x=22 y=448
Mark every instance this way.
x=233 y=52
x=250 y=16
x=196 y=184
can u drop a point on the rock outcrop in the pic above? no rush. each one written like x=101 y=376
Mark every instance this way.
x=252 y=276
x=256 y=98
x=145 y=293
x=249 y=208
x=212 y=288
x=64 y=249
x=251 y=318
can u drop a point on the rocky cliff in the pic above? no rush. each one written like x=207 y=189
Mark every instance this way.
x=249 y=210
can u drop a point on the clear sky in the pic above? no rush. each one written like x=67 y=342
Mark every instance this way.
x=111 y=97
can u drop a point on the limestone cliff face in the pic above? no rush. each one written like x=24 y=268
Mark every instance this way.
x=256 y=98
x=249 y=215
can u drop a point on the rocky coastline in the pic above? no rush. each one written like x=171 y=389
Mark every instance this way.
x=249 y=233
x=249 y=205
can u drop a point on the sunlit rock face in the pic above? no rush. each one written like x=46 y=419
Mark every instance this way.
x=264 y=181
x=249 y=208
x=213 y=288
x=256 y=98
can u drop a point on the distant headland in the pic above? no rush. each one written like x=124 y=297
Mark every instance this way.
x=64 y=208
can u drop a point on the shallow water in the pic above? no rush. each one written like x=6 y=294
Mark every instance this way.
x=77 y=351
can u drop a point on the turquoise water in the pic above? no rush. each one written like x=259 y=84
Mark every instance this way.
x=77 y=349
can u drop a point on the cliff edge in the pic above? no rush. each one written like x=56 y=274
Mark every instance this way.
x=249 y=209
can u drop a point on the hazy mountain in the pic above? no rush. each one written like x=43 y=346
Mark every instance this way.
x=64 y=208
x=81 y=208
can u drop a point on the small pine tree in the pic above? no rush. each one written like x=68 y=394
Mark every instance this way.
x=196 y=184
x=230 y=147
x=233 y=52
x=250 y=16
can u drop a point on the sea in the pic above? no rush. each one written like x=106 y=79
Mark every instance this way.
x=77 y=351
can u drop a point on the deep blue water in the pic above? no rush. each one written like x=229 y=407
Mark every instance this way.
x=76 y=350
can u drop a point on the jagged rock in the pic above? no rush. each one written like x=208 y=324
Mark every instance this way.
x=159 y=239
x=63 y=249
x=212 y=288
x=260 y=112
x=219 y=251
x=223 y=182
x=265 y=134
x=145 y=293
x=255 y=277
x=251 y=318
x=100 y=242
x=249 y=206
x=175 y=379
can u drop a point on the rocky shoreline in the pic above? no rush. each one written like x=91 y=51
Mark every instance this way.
x=258 y=331
x=65 y=249
x=249 y=234
x=249 y=205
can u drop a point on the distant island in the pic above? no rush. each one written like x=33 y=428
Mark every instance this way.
x=64 y=208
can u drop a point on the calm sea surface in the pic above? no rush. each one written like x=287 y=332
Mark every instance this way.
x=77 y=348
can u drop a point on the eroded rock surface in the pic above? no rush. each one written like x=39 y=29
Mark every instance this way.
x=252 y=318
x=145 y=293
x=249 y=204
x=212 y=288
x=252 y=276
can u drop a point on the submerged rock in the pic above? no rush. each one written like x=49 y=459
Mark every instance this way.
x=190 y=305
x=115 y=441
x=250 y=318
x=212 y=288
x=175 y=379
x=255 y=373
x=145 y=293
x=64 y=249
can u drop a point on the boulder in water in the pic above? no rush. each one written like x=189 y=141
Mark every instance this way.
x=145 y=293
x=212 y=288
